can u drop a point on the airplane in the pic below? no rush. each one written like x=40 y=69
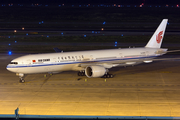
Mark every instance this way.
x=93 y=63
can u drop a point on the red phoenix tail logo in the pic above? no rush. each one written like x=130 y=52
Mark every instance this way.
x=159 y=37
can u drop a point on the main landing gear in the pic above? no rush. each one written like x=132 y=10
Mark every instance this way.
x=108 y=75
x=81 y=73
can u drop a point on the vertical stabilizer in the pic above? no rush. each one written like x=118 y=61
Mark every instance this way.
x=157 y=38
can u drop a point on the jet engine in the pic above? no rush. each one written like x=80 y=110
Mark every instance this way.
x=95 y=71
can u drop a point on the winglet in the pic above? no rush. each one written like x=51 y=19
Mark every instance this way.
x=157 y=38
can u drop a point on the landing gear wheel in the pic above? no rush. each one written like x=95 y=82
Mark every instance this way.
x=22 y=80
x=111 y=76
x=105 y=76
x=108 y=75
x=81 y=74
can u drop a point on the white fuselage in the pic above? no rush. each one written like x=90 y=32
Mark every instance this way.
x=57 y=62
x=93 y=63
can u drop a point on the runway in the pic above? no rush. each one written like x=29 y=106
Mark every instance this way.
x=143 y=90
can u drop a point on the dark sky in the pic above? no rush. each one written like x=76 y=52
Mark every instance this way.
x=147 y=2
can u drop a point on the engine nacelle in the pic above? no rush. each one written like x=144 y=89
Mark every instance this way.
x=95 y=71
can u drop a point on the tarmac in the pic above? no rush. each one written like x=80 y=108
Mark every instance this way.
x=144 y=90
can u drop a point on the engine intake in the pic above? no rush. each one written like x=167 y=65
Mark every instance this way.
x=95 y=71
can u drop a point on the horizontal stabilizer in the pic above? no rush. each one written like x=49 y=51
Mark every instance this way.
x=173 y=51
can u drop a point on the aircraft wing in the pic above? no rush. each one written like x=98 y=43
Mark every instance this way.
x=110 y=64
x=129 y=62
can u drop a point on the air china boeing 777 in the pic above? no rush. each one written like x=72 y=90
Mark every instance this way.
x=95 y=63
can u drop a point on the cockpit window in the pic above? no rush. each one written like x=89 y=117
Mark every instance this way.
x=14 y=63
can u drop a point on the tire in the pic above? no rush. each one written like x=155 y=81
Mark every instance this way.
x=22 y=81
x=105 y=76
x=82 y=74
x=79 y=73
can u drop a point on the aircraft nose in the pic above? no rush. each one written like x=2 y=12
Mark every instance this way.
x=8 y=67
x=11 y=68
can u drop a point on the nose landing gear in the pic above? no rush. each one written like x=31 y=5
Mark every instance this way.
x=21 y=80
x=21 y=77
